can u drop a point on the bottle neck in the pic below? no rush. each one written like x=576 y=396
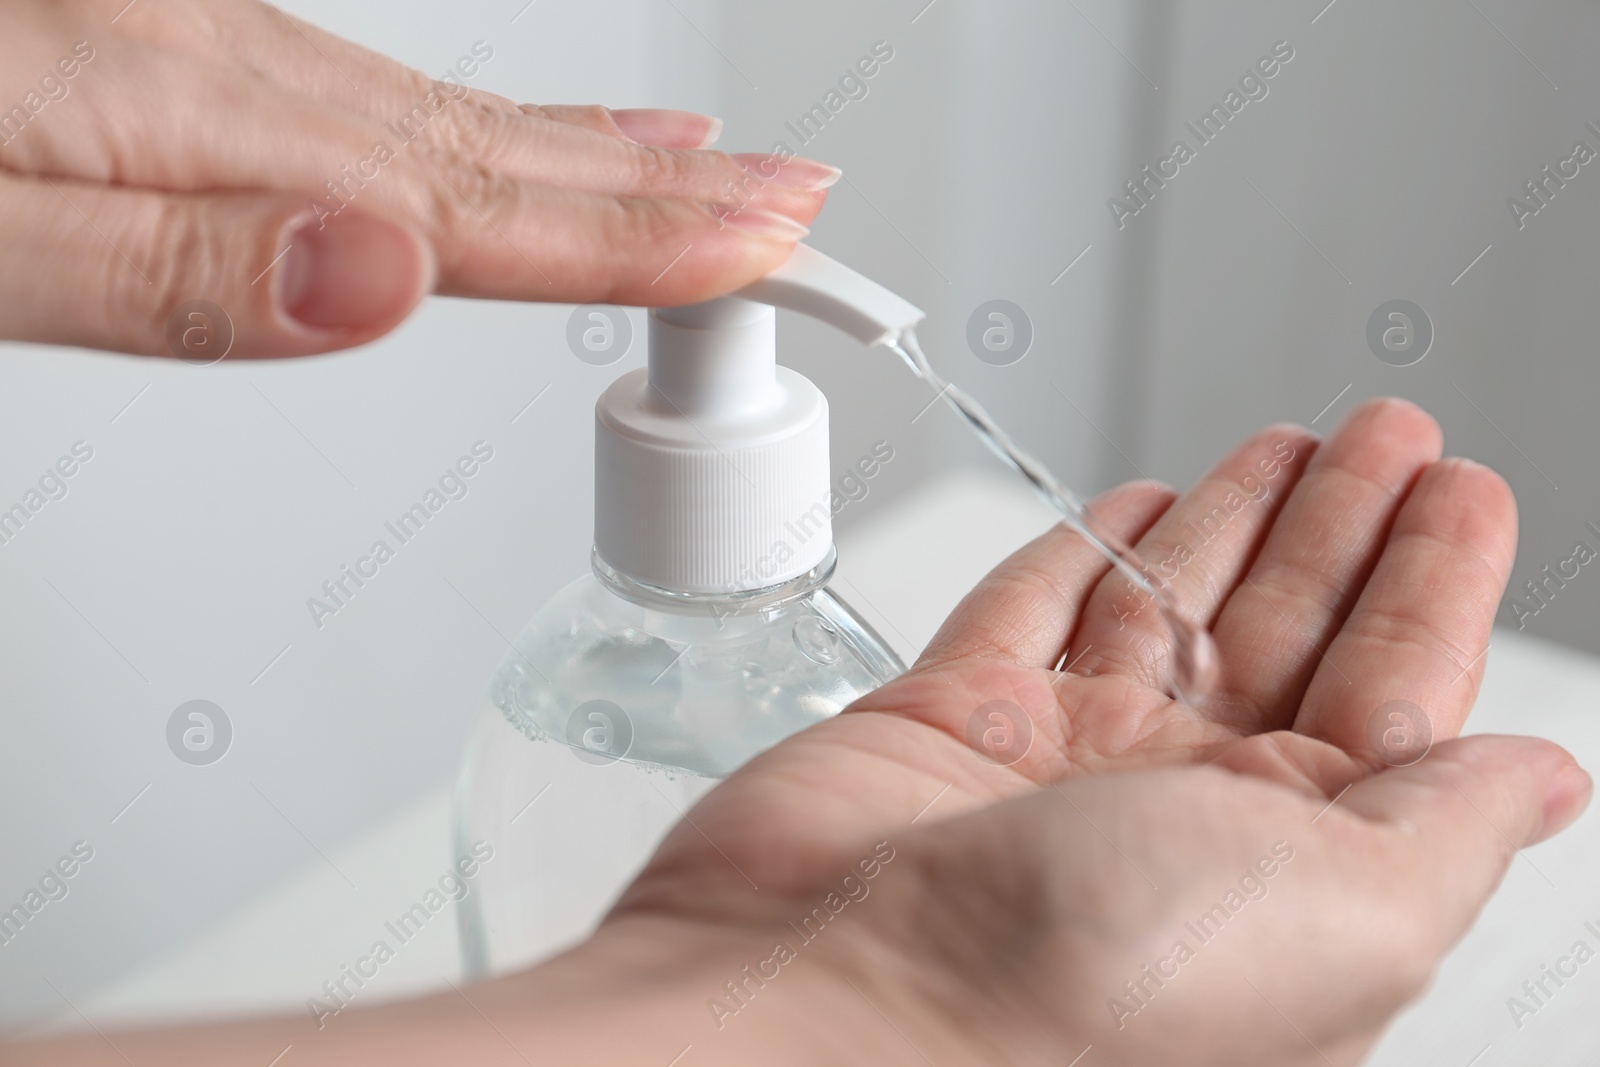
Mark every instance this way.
x=717 y=605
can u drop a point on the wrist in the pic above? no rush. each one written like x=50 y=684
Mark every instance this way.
x=648 y=988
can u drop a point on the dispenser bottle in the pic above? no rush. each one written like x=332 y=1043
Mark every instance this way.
x=704 y=633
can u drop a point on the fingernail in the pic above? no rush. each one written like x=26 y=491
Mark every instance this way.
x=1566 y=799
x=353 y=270
x=760 y=222
x=794 y=172
x=663 y=128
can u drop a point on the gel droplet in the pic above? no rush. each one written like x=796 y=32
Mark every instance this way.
x=1196 y=663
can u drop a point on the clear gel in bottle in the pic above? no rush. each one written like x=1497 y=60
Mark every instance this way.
x=704 y=635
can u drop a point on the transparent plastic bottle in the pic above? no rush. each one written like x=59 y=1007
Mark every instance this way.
x=618 y=707
x=705 y=634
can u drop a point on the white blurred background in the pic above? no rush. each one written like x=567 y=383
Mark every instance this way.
x=978 y=167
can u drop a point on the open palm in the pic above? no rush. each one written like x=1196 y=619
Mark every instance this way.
x=1350 y=586
x=1369 y=573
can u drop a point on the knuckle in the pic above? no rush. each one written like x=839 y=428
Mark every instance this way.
x=594 y=116
x=463 y=195
x=417 y=85
x=470 y=129
x=426 y=113
x=1019 y=589
x=1406 y=625
x=646 y=221
x=170 y=261
x=1299 y=589
x=587 y=116
x=659 y=169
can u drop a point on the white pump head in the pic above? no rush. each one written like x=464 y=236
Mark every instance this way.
x=711 y=465
x=827 y=290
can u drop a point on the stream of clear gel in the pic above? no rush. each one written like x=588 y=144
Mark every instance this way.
x=1195 y=668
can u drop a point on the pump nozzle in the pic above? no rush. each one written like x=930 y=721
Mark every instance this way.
x=711 y=465
x=813 y=284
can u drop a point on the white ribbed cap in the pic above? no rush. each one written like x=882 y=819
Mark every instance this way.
x=711 y=467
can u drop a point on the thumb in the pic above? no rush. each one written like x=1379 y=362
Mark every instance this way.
x=1470 y=806
x=200 y=275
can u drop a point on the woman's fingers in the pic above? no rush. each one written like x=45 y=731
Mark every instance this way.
x=1024 y=609
x=296 y=281
x=217 y=130
x=1317 y=558
x=201 y=276
x=501 y=238
x=1198 y=552
x=558 y=153
x=1406 y=665
x=494 y=234
x=646 y=152
x=515 y=205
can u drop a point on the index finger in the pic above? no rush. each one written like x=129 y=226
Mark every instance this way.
x=1025 y=608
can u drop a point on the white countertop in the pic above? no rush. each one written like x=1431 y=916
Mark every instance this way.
x=904 y=570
